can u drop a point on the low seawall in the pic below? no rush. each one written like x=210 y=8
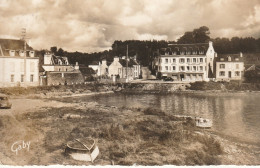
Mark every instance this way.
x=154 y=87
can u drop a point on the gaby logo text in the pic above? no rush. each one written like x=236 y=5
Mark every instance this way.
x=20 y=145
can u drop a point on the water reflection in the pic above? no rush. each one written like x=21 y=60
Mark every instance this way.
x=236 y=116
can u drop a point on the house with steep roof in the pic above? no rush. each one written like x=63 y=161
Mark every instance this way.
x=229 y=67
x=58 y=71
x=186 y=62
x=18 y=67
x=124 y=68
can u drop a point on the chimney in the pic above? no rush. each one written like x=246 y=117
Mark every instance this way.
x=116 y=58
x=104 y=62
x=77 y=66
x=241 y=54
x=210 y=44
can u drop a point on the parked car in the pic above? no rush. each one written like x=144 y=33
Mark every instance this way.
x=4 y=101
x=168 y=79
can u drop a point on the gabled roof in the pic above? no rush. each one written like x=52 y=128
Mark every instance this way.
x=131 y=62
x=233 y=58
x=57 y=58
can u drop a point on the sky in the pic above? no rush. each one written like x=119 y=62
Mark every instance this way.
x=93 y=25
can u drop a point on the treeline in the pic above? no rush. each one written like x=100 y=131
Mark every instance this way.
x=144 y=50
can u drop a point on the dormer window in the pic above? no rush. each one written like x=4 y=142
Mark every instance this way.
x=21 y=53
x=237 y=59
x=229 y=58
x=221 y=59
x=12 y=53
x=31 y=53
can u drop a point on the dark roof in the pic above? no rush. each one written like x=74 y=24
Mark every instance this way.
x=94 y=63
x=57 y=58
x=131 y=62
x=86 y=70
x=11 y=44
x=234 y=58
x=191 y=49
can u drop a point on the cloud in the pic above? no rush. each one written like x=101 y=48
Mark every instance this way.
x=92 y=26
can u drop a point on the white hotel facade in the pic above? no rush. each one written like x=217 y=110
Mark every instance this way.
x=186 y=62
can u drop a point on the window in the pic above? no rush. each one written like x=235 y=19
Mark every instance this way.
x=237 y=66
x=194 y=68
x=237 y=59
x=12 y=78
x=22 y=78
x=31 y=78
x=221 y=59
x=166 y=60
x=182 y=60
x=173 y=68
x=237 y=73
x=166 y=68
x=182 y=68
x=210 y=59
x=159 y=60
x=222 y=66
x=188 y=68
x=201 y=59
x=229 y=58
x=194 y=59
x=201 y=68
x=222 y=73
x=188 y=60
x=173 y=60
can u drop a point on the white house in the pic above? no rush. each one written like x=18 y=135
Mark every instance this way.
x=124 y=68
x=229 y=67
x=100 y=68
x=18 y=67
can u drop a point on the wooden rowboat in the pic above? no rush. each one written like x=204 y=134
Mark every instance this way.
x=83 y=149
x=203 y=123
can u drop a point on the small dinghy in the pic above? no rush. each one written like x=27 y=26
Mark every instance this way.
x=83 y=149
x=203 y=123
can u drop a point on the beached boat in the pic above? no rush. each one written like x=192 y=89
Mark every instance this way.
x=203 y=123
x=83 y=149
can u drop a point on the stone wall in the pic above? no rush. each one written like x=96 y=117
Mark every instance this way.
x=61 y=78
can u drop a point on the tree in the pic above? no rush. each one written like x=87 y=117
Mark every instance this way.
x=54 y=49
x=200 y=35
x=60 y=52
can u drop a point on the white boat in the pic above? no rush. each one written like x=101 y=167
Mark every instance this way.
x=83 y=149
x=203 y=123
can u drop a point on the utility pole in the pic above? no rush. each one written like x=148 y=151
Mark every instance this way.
x=126 y=63
x=24 y=39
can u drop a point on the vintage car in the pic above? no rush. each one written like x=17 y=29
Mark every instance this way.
x=4 y=102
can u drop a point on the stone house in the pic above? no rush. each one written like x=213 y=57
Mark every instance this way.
x=17 y=66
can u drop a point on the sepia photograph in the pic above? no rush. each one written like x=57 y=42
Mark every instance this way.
x=129 y=83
